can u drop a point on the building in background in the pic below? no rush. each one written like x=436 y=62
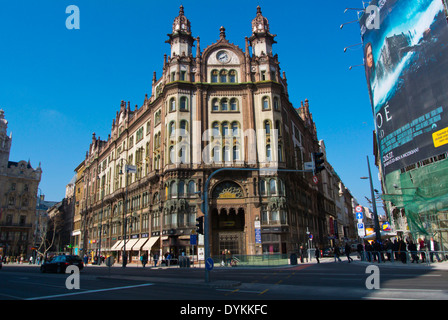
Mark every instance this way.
x=140 y=189
x=19 y=183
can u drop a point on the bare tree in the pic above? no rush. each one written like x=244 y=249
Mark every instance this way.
x=48 y=229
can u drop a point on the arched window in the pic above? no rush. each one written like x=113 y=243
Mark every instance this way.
x=215 y=105
x=225 y=129
x=235 y=131
x=233 y=104
x=184 y=126
x=278 y=127
x=262 y=187
x=171 y=130
x=181 y=188
x=276 y=103
x=173 y=189
x=215 y=154
x=267 y=127
x=232 y=76
x=236 y=153
x=224 y=104
x=223 y=76
x=171 y=155
x=215 y=76
x=191 y=188
x=215 y=129
x=268 y=153
x=183 y=103
x=265 y=103
x=226 y=153
x=272 y=186
x=173 y=104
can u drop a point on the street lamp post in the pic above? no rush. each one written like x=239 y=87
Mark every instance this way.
x=124 y=218
x=375 y=213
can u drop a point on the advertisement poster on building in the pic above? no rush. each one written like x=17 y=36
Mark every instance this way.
x=406 y=63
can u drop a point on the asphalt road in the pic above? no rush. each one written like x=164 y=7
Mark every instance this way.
x=325 y=281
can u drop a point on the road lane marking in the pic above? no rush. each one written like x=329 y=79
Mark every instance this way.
x=89 y=291
x=263 y=292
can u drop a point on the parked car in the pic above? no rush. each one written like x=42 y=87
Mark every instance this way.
x=327 y=252
x=60 y=263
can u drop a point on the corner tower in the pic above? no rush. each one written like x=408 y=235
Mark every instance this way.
x=261 y=39
x=180 y=39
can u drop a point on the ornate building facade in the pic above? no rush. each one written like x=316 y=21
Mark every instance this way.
x=18 y=195
x=218 y=107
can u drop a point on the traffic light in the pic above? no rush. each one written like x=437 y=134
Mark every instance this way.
x=200 y=225
x=318 y=162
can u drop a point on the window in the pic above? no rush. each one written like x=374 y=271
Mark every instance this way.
x=173 y=191
x=235 y=132
x=215 y=129
x=236 y=153
x=215 y=105
x=272 y=186
x=191 y=188
x=265 y=103
x=215 y=76
x=268 y=153
x=215 y=154
x=224 y=105
x=172 y=104
x=232 y=76
x=182 y=75
x=183 y=127
x=172 y=130
x=226 y=153
x=263 y=75
x=267 y=127
x=181 y=188
x=171 y=155
x=183 y=103
x=225 y=129
x=233 y=104
x=276 y=103
x=262 y=187
x=223 y=76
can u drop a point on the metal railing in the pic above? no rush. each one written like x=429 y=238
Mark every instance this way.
x=404 y=256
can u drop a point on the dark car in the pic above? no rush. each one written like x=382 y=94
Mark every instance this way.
x=60 y=263
x=327 y=252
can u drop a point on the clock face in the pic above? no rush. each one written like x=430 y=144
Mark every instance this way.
x=223 y=57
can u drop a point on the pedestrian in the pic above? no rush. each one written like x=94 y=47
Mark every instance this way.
x=223 y=258
x=348 y=250
x=337 y=253
x=144 y=259
x=389 y=250
x=433 y=247
x=369 y=250
x=402 y=251
x=317 y=254
x=156 y=259
x=422 y=248
x=302 y=254
x=31 y=259
x=413 y=249
x=360 y=250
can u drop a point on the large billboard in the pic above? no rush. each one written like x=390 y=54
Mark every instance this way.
x=406 y=60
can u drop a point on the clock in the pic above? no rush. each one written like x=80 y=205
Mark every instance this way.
x=222 y=56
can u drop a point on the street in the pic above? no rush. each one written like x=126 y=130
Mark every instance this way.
x=324 y=281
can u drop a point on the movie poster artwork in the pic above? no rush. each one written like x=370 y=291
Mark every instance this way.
x=406 y=62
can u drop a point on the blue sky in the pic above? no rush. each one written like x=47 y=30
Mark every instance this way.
x=58 y=86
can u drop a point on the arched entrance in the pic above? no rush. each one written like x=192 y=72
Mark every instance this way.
x=227 y=219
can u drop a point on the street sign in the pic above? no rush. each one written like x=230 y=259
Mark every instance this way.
x=257 y=235
x=309 y=165
x=209 y=264
x=359 y=215
x=315 y=179
x=361 y=229
x=131 y=169
x=358 y=209
x=193 y=239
